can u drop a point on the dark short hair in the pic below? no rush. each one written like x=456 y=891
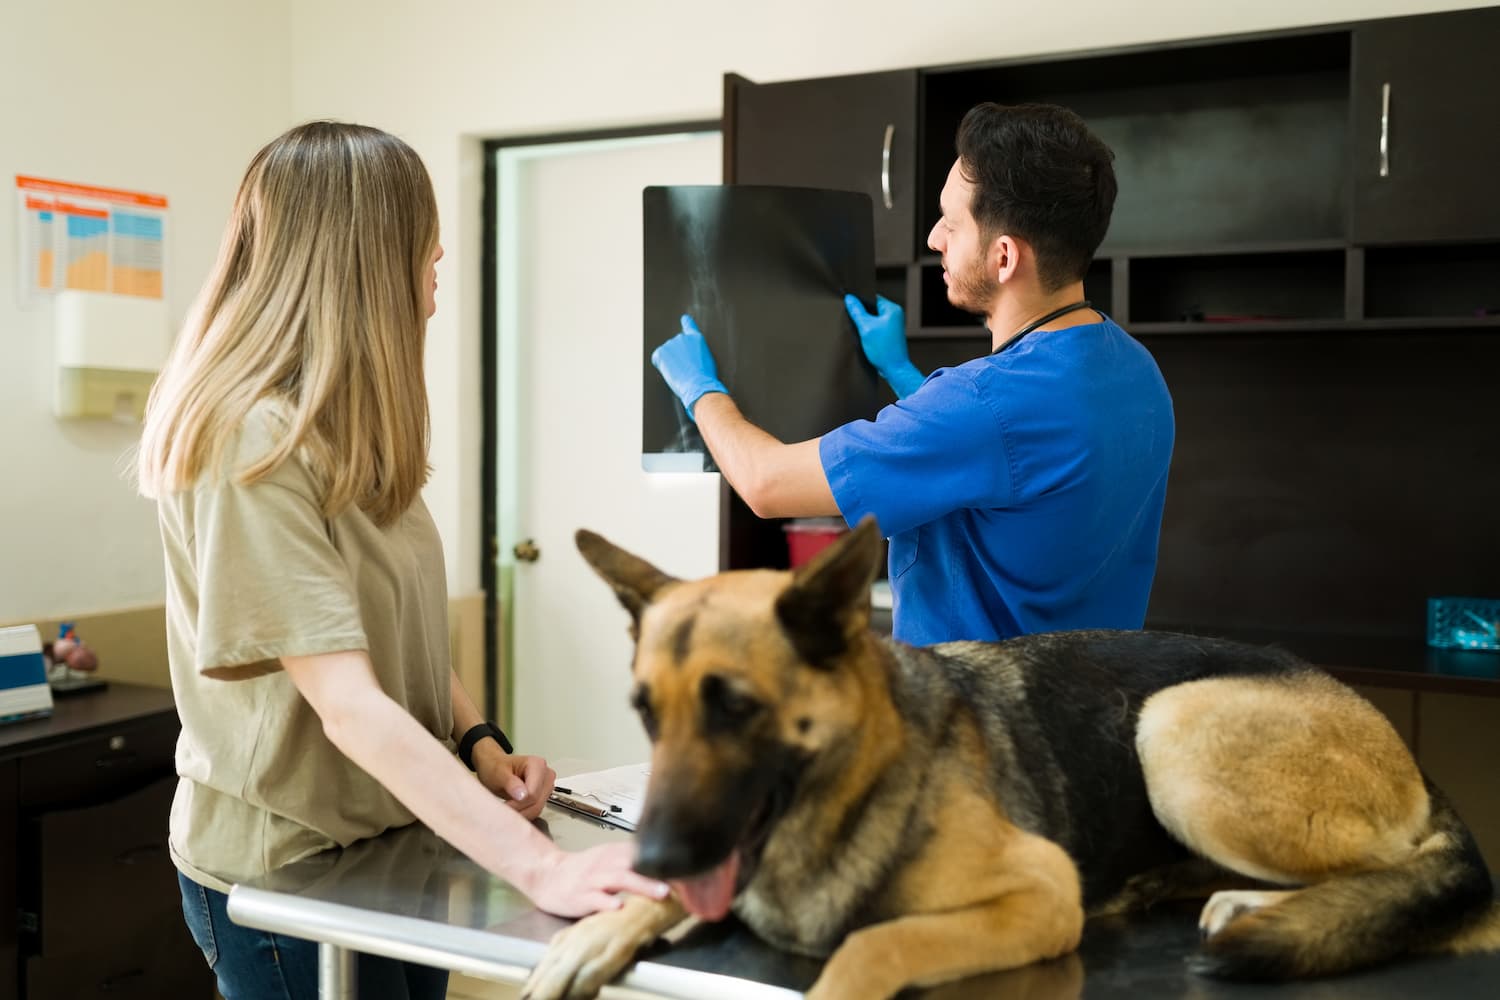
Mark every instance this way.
x=1041 y=175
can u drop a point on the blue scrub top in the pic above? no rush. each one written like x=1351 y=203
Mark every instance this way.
x=1021 y=491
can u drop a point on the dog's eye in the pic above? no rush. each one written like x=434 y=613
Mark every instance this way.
x=640 y=700
x=724 y=707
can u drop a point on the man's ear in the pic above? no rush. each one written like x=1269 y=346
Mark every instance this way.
x=827 y=603
x=635 y=581
x=1005 y=256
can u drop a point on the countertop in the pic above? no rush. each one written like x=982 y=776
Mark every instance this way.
x=1378 y=661
x=79 y=713
x=409 y=895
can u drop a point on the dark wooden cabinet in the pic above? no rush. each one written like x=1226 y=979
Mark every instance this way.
x=1425 y=99
x=1330 y=336
x=851 y=133
x=84 y=803
x=9 y=899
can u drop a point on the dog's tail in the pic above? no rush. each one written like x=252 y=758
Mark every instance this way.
x=1440 y=900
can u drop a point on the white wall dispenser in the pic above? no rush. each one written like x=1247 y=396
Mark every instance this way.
x=108 y=349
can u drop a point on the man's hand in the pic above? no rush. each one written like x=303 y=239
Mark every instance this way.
x=883 y=339
x=524 y=780
x=688 y=365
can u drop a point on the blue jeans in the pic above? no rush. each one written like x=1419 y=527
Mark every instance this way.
x=259 y=965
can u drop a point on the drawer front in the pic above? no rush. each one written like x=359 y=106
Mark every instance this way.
x=99 y=766
x=105 y=867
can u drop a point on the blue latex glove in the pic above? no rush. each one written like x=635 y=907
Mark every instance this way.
x=883 y=339
x=688 y=365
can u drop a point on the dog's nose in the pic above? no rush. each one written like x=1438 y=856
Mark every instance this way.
x=671 y=857
x=674 y=850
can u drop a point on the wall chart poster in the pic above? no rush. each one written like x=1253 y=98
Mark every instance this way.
x=95 y=239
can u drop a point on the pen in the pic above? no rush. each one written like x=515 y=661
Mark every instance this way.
x=575 y=804
x=560 y=790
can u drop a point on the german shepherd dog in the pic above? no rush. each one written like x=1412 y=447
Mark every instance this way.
x=923 y=815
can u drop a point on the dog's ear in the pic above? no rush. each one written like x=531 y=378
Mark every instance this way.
x=635 y=581
x=828 y=601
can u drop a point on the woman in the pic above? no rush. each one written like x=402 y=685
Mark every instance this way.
x=286 y=443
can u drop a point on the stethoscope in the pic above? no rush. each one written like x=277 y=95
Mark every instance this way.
x=1029 y=327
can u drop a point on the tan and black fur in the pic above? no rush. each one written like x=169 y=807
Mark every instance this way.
x=923 y=815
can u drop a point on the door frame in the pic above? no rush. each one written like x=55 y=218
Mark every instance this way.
x=489 y=323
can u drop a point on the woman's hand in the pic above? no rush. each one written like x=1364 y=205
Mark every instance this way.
x=574 y=884
x=524 y=780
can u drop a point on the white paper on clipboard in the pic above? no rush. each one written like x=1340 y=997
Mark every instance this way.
x=616 y=795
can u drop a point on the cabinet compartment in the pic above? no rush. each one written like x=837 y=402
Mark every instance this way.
x=1433 y=281
x=1235 y=288
x=850 y=133
x=1224 y=142
x=1327 y=482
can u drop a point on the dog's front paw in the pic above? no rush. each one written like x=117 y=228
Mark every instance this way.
x=582 y=957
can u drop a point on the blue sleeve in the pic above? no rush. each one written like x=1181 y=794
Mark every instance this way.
x=939 y=450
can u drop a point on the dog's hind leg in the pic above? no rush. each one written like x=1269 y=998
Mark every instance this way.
x=1288 y=779
x=1297 y=781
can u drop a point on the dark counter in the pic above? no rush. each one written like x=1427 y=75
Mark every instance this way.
x=1376 y=661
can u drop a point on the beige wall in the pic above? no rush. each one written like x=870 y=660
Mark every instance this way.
x=167 y=96
x=132 y=643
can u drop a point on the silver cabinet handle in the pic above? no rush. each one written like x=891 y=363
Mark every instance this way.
x=885 y=166
x=1385 y=130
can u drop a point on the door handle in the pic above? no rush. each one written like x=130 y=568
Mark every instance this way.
x=526 y=551
x=1385 y=130
x=885 y=167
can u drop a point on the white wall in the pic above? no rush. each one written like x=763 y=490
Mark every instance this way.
x=174 y=96
x=446 y=73
x=166 y=96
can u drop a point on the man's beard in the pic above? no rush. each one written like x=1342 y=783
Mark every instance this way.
x=974 y=290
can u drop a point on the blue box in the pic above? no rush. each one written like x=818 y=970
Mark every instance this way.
x=1463 y=622
x=24 y=692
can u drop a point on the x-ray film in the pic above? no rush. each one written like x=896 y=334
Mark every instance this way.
x=763 y=271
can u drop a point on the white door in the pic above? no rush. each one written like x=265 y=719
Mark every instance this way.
x=569 y=405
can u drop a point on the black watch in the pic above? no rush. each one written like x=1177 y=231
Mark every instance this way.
x=474 y=735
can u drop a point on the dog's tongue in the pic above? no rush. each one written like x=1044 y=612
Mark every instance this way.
x=708 y=895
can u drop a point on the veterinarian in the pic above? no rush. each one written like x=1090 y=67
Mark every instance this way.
x=1021 y=491
x=286 y=443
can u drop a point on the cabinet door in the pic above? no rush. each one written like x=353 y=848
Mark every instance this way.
x=1430 y=87
x=104 y=866
x=9 y=865
x=848 y=133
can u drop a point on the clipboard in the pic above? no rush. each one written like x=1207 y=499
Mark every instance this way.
x=615 y=796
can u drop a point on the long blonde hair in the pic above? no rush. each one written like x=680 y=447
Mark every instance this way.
x=317 y=303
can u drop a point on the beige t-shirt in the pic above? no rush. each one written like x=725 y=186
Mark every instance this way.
x=255 y=573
